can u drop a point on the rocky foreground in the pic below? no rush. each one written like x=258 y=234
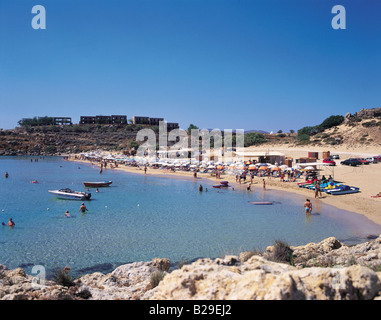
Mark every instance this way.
x=328 y=270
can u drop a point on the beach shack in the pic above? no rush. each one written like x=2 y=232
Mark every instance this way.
x=262 y=156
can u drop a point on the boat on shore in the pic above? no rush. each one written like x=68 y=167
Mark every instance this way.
x=69 y=194
x=343 y=190
x=97 y=184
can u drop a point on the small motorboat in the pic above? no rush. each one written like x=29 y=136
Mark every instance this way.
x=343 y=190
x=67 y=193
x=97 y=184
x=224 y=184
x=261 y=202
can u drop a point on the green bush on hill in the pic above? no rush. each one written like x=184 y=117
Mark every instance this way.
x=330 y=122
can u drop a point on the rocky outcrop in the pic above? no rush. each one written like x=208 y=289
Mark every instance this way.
x=127 y=282
x=328 y=270
x=261 y=279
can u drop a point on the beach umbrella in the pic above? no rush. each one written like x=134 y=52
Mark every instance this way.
x=275 y=169
x=309 y=168
x=262 y=168
x=220 y=167
x=289 y=169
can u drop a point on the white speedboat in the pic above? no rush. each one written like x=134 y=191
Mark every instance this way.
x=70 y=194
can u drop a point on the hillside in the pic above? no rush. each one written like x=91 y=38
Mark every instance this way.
x=64 y=140
x=360 y=130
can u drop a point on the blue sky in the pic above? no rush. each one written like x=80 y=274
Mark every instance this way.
x=228 y=64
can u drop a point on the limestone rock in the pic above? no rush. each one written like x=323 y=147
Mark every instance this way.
x=260 y=279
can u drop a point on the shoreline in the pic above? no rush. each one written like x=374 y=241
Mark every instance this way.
x=356 y=203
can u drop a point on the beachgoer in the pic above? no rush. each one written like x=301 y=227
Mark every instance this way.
x=6 y=174
x=83 y=207
x=200 y=188
x=264 y=184
x=67 y=214
x=11 y=223
x=317 y=189
x=97 y=190
x=145 y=169
x=206 y=189
x=308 y=206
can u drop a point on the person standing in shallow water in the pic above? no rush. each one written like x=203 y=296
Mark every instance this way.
x=83 y=208
x=308 y=206
x=11 y=223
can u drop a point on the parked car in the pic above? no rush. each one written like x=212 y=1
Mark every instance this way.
x=372 y=159
x=351 y=162
x=329 y=161
x=363 y=160
x=335 y=156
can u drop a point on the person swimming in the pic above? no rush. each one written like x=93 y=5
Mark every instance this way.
x=67 y=214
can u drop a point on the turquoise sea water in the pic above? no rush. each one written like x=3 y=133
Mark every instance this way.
x=142 y=217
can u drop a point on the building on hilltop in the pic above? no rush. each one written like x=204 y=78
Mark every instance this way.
x=113 y=119
x=140 y=120
x=172 y=126
x=154 y=122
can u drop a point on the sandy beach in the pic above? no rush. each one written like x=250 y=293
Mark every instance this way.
x=366 y=177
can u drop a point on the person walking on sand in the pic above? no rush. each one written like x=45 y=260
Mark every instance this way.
x=308 y=206
x=264 y=184
x=317 y=189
